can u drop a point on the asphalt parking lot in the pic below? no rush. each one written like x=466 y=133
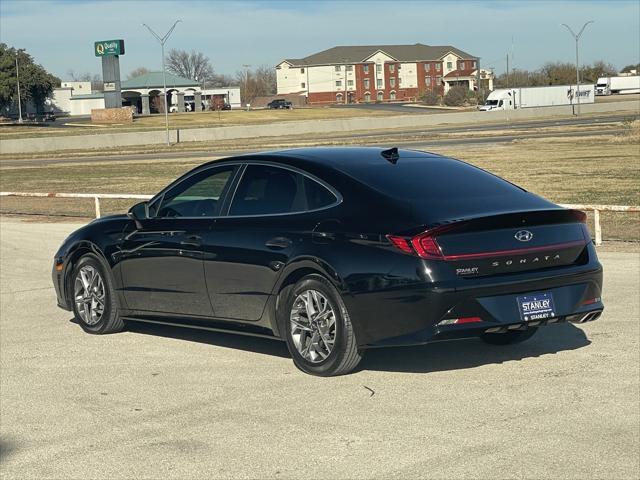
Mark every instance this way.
x=169 y=403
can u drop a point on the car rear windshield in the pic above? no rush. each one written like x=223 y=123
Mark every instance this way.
x=429 y=178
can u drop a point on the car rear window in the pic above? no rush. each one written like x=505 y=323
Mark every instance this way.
x=430 y=178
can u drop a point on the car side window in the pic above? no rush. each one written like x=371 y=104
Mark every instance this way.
x=197 y=196
x=270 y=190
x=318 y=196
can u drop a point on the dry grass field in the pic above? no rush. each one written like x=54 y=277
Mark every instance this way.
x=601 y=169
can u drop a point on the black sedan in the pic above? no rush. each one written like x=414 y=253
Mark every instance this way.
x=336 y=250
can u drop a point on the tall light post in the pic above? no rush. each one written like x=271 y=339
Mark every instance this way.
x=162 y=41
x=246 y=67
x=577 y=39
x=18 y=80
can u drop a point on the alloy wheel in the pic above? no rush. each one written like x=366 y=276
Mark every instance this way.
x=89 y=294
x=313 y=326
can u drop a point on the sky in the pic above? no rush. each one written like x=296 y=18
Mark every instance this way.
x=59 y=34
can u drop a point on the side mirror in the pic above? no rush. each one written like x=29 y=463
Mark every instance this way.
x=140 y=211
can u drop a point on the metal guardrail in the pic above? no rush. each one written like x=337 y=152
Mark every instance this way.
x=596 y=209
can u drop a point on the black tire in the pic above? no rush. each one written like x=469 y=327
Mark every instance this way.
x=110 y=321
x=345 y=354
x=510 y=337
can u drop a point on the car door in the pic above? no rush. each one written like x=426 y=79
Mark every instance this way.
x=162 y=262
x=245 y=252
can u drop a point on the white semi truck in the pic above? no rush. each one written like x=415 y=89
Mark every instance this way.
x=618 y=85
x=526 y=97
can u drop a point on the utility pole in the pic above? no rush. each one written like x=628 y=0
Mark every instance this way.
x=18 y=81
x=162 y=41
x=577 y=39
x=507 y=70
x=246 y=67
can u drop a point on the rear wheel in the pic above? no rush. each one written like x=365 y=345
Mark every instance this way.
x=94 y=304
x=318 y=330
x=507 y=338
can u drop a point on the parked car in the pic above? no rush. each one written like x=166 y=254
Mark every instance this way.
x=335 y=250
x=279 y=103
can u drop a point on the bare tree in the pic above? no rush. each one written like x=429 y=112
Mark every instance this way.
x=189 y=65
x=257 y=83
x=137 y=72
x=96 y=79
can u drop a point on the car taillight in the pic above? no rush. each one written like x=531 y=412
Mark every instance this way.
x=423 y=245
x=579 y=215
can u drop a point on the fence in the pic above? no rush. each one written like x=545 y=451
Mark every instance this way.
x=596 y=209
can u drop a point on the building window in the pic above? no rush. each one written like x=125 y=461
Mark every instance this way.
x=338 y=68
x=366 y=69
x=438 y=80
x=339 y=98
x=378 y=67
x=338 y=83
x=366 y=83
x=302 y=70
x=392 y=68
x=380 y=96
x=349 y=83
x=399 y=80
x=427 y=67
x=427 y=81
x=379 y=83
x=449 y=65
x=392 y=81
x=367 y=97
x=392 y=95
x=461 y=66
x=473 y=64
x=437 y=67
x=349 y=68
x=303 y=85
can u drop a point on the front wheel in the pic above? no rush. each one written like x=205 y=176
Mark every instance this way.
x=318 y=330
x=94 y=304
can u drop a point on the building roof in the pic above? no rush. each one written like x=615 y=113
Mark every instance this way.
x=154 y=80
x=469 y=72
x=357 y=54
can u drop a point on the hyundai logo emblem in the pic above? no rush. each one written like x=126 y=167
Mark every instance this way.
x=523 y=235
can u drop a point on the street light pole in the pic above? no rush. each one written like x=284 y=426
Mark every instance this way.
x=162 y=41
x=577 y=39
x=18 y=80
x=246 y=67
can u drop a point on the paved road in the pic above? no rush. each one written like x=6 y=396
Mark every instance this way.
x=166 y=403
x=404 y=137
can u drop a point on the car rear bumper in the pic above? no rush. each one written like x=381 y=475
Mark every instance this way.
x=413 y=314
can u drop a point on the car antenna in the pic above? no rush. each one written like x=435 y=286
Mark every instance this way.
x=391 y=155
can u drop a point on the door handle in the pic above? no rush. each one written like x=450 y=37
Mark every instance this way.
x=192 y=241
x=279 y=243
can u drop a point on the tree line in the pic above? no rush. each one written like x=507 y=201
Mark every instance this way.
x=36 y=84
x=557 y=73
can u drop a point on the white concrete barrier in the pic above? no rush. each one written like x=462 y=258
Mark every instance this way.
x=305 y=127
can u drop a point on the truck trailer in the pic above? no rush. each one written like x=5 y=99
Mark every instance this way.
x=526 y=97
x=618 y=85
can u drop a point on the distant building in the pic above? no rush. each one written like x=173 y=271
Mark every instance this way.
x=144 y=93
x=351 y=74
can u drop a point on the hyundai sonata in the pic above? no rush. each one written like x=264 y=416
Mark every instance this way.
x=336 y=250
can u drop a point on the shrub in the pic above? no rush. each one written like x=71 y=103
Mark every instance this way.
x=456 y=97
x=431 y=98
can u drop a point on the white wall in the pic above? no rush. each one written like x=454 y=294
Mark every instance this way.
x=79 y=88
x=290 y=79
x=408 y=75
x=61 y=99
x=83 y=106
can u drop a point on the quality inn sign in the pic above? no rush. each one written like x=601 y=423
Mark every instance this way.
x=108 y=47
